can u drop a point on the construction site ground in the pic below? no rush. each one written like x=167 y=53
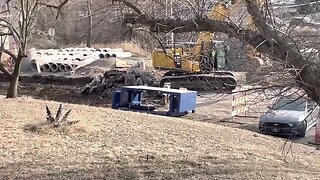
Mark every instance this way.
x=113 y=144
x=212 y=107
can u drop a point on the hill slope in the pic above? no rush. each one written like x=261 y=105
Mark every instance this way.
x=125 y=145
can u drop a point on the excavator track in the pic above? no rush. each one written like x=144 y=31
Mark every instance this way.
x=223 y=81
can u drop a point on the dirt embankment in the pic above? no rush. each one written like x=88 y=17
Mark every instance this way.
x=125 y=145
x=51 y=79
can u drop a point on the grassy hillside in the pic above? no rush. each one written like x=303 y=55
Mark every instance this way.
x=125 y=145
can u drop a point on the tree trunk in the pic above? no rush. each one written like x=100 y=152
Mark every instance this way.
x=89 y=33
x=13 y=87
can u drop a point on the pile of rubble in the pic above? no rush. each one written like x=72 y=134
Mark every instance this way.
x=103 y=85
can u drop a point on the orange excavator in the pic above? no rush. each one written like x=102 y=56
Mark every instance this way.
x=203 y=65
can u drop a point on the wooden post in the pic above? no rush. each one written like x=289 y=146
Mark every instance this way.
x=245 y=102
x=232 y=107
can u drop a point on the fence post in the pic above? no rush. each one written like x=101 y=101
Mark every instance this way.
x=232 y=106
x=245 y=102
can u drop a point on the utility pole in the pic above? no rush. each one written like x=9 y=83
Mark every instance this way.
x=89 y=31
x=166 y=14
x=166 y=8
x=171 y=16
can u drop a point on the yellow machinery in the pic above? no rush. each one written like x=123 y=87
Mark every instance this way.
x=203 y=65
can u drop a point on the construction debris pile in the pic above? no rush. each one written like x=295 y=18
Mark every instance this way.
x=110 y=81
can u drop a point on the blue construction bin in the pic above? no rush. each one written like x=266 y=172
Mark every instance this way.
x=181 y=101
x=116 y=99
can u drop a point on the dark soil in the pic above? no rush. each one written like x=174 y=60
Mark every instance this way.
x=60 y=93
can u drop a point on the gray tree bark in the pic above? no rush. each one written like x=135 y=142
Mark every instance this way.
x=13 y=87
x=89 y=32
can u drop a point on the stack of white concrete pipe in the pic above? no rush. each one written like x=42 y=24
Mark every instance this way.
x=102 y=52
x=69 y=59
x=108 y=52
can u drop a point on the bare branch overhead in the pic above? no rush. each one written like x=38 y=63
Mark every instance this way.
x=129 y=5
x=267 y=40
x=4 y=70
x=58 y=7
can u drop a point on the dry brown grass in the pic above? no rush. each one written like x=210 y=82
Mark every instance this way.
x=45 y=128
x=115 y=144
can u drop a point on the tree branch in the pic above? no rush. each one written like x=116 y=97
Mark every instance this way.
x=197 y=25
x=2 y=68
x=306 y=77
x=59 y=7
x=54 y=6
x=6 y=34
x=129 y=5
x=267 y=40
x=9 y=53
x=5 y=71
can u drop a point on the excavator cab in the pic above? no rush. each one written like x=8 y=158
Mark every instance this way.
x=221 y=56
x=215 y=58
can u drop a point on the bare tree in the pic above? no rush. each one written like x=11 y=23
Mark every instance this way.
x=18 y=23
x=269 y=37
x=75 y=23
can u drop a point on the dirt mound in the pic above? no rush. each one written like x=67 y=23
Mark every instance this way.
x=87 y=70
x=127 y=145
x=104 y=63
x=97 y=67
